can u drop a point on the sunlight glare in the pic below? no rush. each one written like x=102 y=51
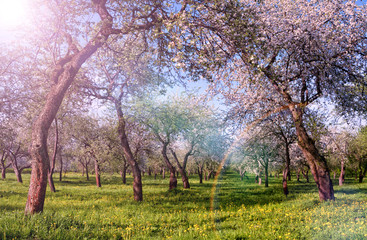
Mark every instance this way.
x=12 y=13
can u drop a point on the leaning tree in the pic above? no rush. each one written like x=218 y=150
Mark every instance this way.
x=272 y=55
x=73 y=31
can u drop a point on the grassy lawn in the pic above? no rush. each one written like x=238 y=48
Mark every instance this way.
x=241 y=210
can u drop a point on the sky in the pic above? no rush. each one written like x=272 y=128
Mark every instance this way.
x=14 y=13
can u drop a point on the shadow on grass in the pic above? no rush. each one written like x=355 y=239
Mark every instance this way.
x=4 y=194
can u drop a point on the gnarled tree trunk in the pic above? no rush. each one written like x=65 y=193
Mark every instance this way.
x=137 y=182
x=3 y=158
x=53 y=160
x=317 y=163
x=172 y=177
x=185 y=179
x=63 y=75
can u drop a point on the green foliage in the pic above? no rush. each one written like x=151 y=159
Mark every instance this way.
x=242 y=210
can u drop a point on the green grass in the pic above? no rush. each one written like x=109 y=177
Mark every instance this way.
x=241 y=210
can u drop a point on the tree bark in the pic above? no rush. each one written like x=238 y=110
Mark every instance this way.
x=200 y=173
x=18 y=174
x=342 y=173
x=4 y=156
x=172 y=177
x=53 y=160
x=96 y=171
x=305 y=175
x=63 y=75
x=287 y=161
x=185 y=179
x=266 y=175
x=123 y=173
x=3 y=172
x=14 y=163
x=317 y=163
x=137 y=182
x=87 y=171
x=285 y=183
x=149 y=171
x=61 y=166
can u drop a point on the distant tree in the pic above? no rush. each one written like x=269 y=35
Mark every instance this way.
x=3 y=156
x=211 y=152
x=358 y=152
x=123 y=74
x=337 y=147
x=166 y=120
x=87 y=134
x=281 y=126
x=17 y=154
x=264 y=153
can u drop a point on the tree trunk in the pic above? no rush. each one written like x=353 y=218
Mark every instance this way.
x=211 y=173
x=51 y=182
x=362 y=172
x=61 y=165
x=342 y=173
x=18 y=174
x=123 y=174
x=360 y=178
x=96 y=171
x=3 y=167
x=63 y=75
x=172 y=177
x=87 y=171
x=53 y=160
x=285 y=183
x=164 y=173
x=172 y=180
x=137 y=182
x=200 y=173
x=287 y=162
x=317 y=163
x=266 y=175
x=305 y=175
x=185 y=179
x=14 y=163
